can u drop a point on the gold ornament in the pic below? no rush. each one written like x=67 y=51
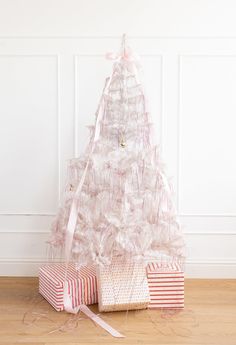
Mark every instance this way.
x=122 y=139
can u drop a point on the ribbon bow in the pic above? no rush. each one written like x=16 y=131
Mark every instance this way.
x=127 y=56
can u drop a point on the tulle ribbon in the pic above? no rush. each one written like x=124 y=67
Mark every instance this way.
x=67 y=297
x=131 y=61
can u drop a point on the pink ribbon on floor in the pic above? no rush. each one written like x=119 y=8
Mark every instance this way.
x=100 y=322
x=67 y=298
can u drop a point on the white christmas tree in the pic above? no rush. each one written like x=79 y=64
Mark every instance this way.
x=117 y=192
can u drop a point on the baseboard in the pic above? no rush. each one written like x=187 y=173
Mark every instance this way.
x=212 y=269
x=20 y=267
x=194 y=268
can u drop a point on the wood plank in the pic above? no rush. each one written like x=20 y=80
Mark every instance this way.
x=208 y=318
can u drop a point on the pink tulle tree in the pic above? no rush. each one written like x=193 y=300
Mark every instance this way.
x=117 y=199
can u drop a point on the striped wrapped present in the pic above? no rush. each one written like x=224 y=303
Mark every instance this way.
x=166 y=285
x=82 y=283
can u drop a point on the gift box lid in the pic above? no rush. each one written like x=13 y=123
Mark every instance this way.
x=164 y=267
x=55 y=272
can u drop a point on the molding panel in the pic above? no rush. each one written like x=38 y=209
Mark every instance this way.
x=206 y=135
x=29 y=134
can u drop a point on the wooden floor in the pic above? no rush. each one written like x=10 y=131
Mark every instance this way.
x=209 y=318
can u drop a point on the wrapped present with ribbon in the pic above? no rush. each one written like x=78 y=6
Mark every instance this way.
x=166 y=285
x=122 y=286
x=81 y=284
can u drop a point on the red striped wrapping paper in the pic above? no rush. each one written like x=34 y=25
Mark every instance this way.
x=82 y=283
x=166 y=285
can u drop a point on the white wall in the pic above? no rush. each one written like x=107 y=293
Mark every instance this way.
x=51 y=75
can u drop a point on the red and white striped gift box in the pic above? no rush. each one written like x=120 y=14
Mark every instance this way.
x=82 y=283
x=166 y=285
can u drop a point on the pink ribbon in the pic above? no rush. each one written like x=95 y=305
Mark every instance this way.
x=132 y=64
x=100 y=322
x=130 y=59
x=67 y=298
